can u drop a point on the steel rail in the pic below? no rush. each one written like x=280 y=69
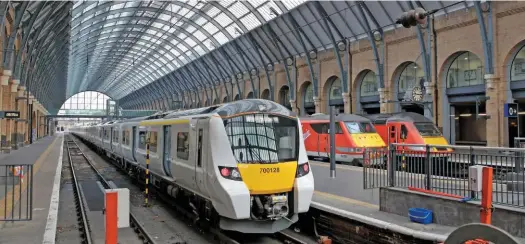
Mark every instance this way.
x=142 y=233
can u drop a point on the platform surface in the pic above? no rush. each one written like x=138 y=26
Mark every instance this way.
x=345 y=196
x=44 y=155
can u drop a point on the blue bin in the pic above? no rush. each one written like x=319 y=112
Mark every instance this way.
x=420 y=215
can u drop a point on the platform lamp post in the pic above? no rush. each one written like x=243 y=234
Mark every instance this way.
x=332 y=139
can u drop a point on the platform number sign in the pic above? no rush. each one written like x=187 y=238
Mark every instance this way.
x=511 y=110
x=9 y=114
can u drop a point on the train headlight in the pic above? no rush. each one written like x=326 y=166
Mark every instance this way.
x=302 y=169
x=231 y=173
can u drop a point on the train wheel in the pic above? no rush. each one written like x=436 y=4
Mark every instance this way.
x=476 y=231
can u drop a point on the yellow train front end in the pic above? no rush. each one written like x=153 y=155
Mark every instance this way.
x=272 y=162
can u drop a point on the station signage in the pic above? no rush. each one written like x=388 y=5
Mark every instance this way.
x=9 y=114
x=511 y=110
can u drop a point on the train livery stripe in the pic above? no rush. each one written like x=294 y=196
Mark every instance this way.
x=268 y=178
x=164 y=122
x=367 y=140
x=435 y=140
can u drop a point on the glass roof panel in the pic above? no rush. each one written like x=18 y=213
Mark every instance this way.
x=250 y=21
x=221 y=38
x=200 y=36
x=210 y=27
x=186 y=26
x=223 y=19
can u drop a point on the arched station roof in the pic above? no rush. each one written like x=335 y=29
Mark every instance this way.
x=135 y=51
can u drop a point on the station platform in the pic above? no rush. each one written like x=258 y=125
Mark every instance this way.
x=345 y=196
x=44 y=156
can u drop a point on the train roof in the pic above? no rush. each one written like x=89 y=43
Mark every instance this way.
x=236 y=107
x=400 y=117
x=338 y=118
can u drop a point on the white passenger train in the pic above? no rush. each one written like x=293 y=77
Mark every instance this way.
x=241 y=165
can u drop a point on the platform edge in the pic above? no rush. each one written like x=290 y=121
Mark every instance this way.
x=380 y=223
x=51 y=224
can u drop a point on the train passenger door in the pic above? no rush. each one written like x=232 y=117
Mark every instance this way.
x=201 y=156
x=134 y=143
x=111 y=139
x=392 y=133
x=166 y=156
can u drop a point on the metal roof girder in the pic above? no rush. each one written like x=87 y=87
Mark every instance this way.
x=8 y=50
x=231 y=16
x=276 y=22
x=344 y=21
x=25 y=38
x=160 y=30
x=338 y=47
x=244 y=57
x=46 y=57
x=191 y=81
x=426 y=54
x=178 y=16
x=98 y=84
x=260 y=51
x=199 y=64
x=232 y=69
x=377 y=58
x=308 y=54
x=486 y=36
x=201 y=77
x=207 y=68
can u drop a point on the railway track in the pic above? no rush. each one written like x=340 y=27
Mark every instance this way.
x=217 y=234
x=77 y=156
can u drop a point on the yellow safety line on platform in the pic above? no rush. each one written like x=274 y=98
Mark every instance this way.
x=347 y=200
x=9 y=194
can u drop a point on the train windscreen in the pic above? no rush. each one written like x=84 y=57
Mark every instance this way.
x=263 y=138
x=427 y=129
x=360 y=127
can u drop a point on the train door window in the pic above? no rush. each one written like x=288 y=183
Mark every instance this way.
x=153 y=141
x=142 y=140
x=393 y=131
x=115 y=135
x=183 y=151
x=126 y=137
x=124 y=141
x=404 y=132
x=199 y=152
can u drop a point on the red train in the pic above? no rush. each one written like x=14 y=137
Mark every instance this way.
x=353 y=133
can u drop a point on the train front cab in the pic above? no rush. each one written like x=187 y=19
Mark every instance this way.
x=412 y=128
x=353 y=133
x=267 y=166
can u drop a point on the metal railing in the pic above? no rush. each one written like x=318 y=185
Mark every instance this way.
x=445 y=169
x=16 y=192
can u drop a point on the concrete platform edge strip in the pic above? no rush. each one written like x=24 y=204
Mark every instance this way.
x=52 y=217
x=380 y=223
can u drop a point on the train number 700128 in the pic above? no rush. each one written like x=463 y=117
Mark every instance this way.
x=269 y=170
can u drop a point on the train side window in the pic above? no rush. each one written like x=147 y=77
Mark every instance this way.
x=183 y=151
x=318 y=128
x=153 y=141
x=338 y=129
x=404 y=132
x=393 y=131
x=142 y=140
